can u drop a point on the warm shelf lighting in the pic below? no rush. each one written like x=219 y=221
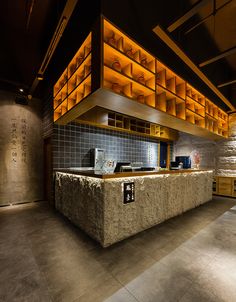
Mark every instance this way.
x=178 y=51
x=39 y=77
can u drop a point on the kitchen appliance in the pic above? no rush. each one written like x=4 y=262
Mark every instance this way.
x=98 y=158
x=123 y=167
x=127 y=167
x=148 y=169
x=174 y=165
x=136 y=166
x=186 y=160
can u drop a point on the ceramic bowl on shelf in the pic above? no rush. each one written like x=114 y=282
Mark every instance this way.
x=141 y=98
x=116 y=87
x=140 y=78
x=116 y=64
x=111 y=39
x=129 y=53
x=143 y=61
x=79 y=60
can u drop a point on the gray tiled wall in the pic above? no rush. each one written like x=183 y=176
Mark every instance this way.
x=72 y=146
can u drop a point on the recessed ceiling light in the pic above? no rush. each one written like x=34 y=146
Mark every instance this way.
x=21 y=90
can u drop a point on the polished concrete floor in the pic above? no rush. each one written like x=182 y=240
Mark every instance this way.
x=189 y=258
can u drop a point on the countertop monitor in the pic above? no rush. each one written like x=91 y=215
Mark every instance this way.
x=186 y=160
x=119 y=164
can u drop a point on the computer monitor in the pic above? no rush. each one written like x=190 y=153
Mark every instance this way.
x=119 y=164
x=186 y=160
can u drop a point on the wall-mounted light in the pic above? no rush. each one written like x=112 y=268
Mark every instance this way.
x=22 y=98
x=39 y=77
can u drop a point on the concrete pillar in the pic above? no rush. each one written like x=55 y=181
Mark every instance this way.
x=226 y=151
x=21 y=150
x=232 y=125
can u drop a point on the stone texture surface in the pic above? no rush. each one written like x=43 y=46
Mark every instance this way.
x=81 y=199
x=232 y=125
x=188 y=143
x=226 y=151
x=97 y=207
x=21 y=151
x=220 y=155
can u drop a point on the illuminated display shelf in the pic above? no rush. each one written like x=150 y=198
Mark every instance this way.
x=128 y=70
x=75 y=82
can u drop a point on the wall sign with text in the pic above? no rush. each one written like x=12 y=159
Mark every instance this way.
x=18 y=141
x=129 y=195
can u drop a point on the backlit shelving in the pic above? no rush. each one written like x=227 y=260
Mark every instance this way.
x=173 y=95
x=125 y=68
x=75 y=82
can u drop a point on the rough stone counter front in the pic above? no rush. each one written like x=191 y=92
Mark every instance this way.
x=97 y=205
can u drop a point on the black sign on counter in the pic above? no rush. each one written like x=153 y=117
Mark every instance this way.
x=128 y=192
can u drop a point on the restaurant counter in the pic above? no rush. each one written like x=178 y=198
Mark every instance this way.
x=111 y=207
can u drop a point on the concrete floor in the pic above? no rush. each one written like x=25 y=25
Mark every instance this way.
x=189 y=258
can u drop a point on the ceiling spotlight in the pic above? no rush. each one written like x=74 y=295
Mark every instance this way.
x=21 y=90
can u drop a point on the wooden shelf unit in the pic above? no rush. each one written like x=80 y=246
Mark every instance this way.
x=128 y=123
x=173 y=95
x=124 y=85
x=80 y=56
x=128 y=70
x=224 y=185
x=140 y=126
x=60 y=83
x=114 y=37
x=169 y=80
x=75 y=82
x=118 y=120
x=195 y=95
x=105 y=118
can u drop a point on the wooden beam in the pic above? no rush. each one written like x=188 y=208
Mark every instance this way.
x=29 y=9
x=226 y=84
x=178 y=51
x=220 y=56
x=188 y=15
x=215 y=11
x=196 y=25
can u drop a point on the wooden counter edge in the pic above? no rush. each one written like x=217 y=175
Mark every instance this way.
x=130 y=174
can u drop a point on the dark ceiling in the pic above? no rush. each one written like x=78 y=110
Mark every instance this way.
x=26 y=36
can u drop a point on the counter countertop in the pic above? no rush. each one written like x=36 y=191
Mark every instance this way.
x=127 y=174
